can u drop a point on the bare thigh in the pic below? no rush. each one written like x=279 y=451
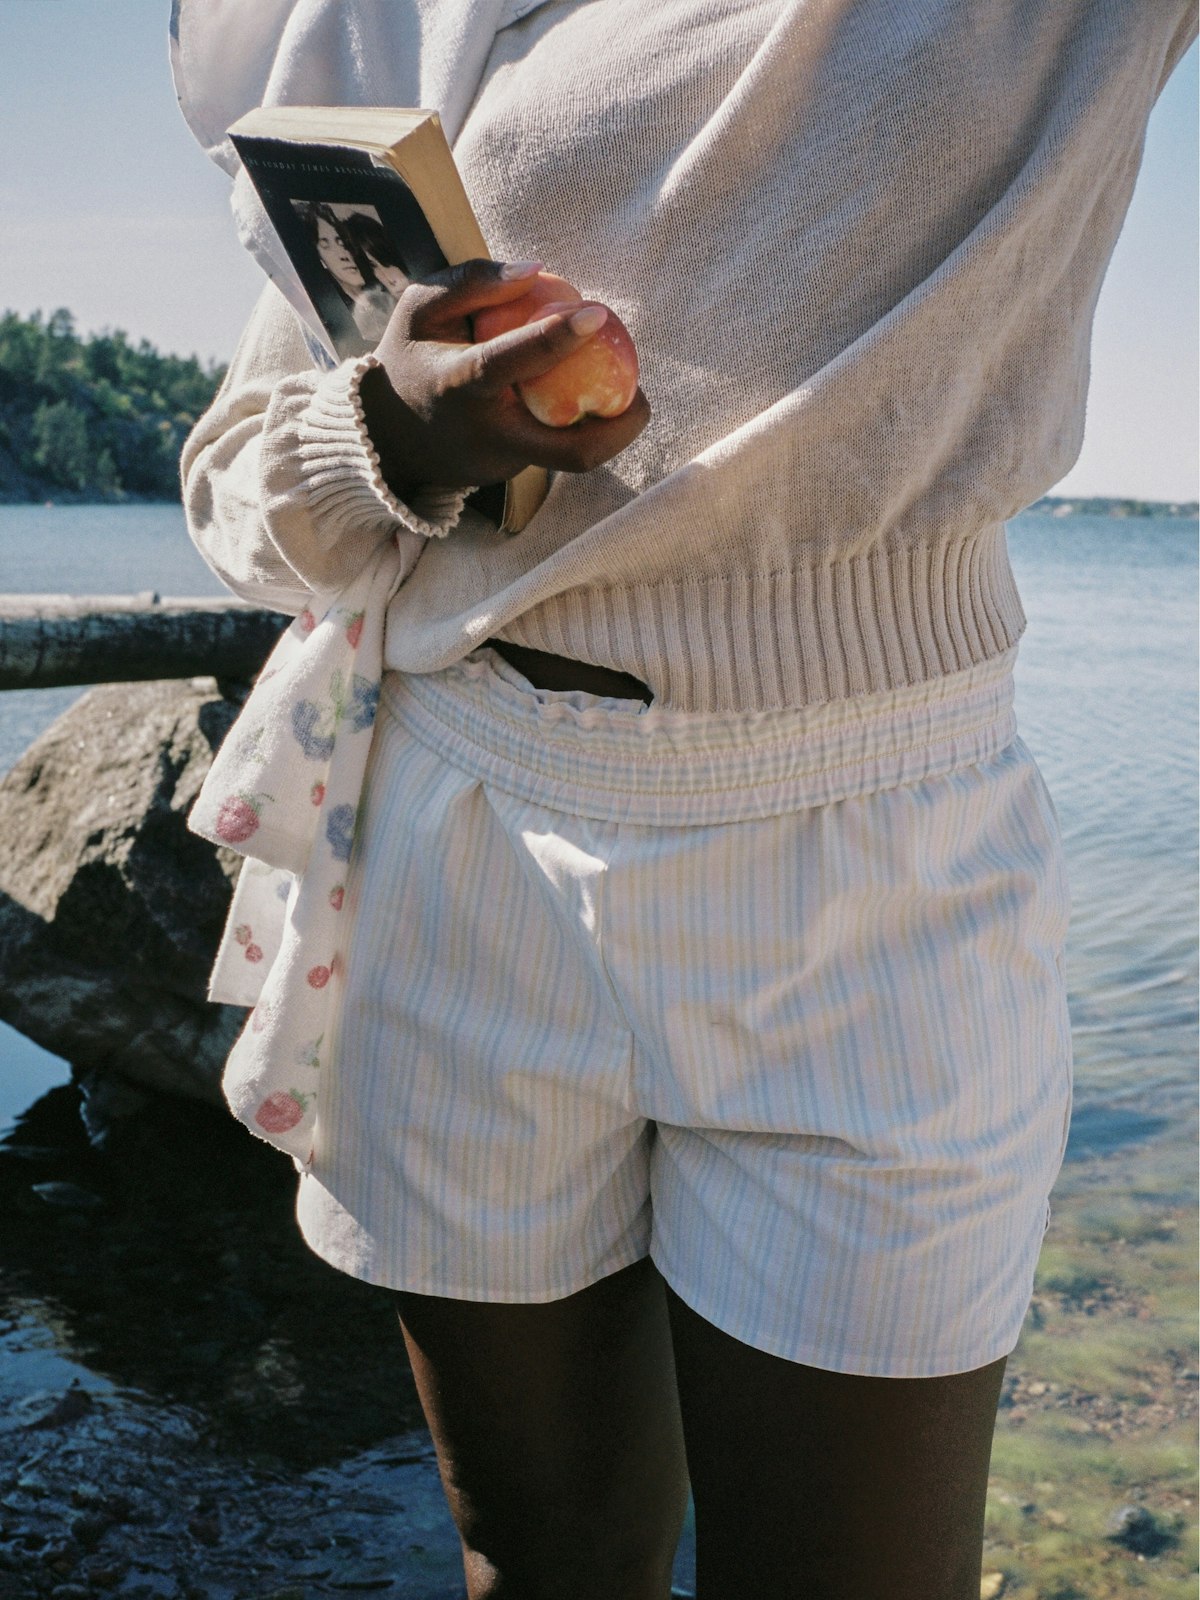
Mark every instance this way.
x=558 y=1437
x=825 y=1486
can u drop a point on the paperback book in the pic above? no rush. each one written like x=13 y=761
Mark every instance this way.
x=364 y=199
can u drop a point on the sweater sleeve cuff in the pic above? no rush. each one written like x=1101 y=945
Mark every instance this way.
x=339 y=455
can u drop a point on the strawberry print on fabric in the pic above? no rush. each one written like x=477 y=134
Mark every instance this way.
x=243 y=934
x=281 y=1111
x=239 y=816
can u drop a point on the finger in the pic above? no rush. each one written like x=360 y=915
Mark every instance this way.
x=527 y=352
x=455 y=293
x=582 y=446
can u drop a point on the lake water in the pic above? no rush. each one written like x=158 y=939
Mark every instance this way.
x=1107 y=701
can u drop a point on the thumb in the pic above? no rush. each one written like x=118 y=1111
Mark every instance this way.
x=457 y=292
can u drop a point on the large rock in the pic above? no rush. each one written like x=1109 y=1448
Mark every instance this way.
x=110 y=910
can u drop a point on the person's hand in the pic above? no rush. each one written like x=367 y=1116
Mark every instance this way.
x=443 y=410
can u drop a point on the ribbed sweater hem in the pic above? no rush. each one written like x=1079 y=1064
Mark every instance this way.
x=768 y=640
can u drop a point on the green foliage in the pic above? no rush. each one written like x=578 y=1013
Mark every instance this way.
x=94 y=416
x=61 y=449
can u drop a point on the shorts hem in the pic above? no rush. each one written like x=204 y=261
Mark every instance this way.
x=383 y=1276
x=852 y=1365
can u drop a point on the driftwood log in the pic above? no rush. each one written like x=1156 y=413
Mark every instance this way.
x=48 y=641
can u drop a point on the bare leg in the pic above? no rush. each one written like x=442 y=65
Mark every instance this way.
x=815 y=1485
x=558 y=1438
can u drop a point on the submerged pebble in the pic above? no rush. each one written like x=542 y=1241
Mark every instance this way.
x=1139 y=1530
x=70 y=1196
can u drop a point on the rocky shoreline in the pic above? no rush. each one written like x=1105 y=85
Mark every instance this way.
x=192 y=1405
x=214 y=1413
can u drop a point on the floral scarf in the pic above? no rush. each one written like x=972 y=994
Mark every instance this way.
x=284 y=791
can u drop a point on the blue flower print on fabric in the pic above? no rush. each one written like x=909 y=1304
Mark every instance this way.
x=364 y=702
x=339 y=830
x=312 y=726
x=315 y=726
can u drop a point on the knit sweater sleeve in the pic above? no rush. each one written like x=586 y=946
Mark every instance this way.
x=282 y=487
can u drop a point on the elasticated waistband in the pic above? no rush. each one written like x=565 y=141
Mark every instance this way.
x=622 y=761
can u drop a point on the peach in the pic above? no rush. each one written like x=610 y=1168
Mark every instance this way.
x=597 y=380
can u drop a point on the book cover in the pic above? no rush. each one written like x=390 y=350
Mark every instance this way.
x=363 y=200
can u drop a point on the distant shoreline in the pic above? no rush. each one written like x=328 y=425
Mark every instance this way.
x=1107 y=506
x=1049 y=505
x=92 y=420
x=57 y=496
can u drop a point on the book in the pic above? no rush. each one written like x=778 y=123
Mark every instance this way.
x=363 y=200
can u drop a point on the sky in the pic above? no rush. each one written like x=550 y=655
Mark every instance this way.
x=111 y=210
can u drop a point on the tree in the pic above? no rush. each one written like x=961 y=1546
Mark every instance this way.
x=96 y=415
x=61 y=447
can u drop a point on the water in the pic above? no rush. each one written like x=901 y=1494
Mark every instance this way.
x=88 y=550
x=1107 y=701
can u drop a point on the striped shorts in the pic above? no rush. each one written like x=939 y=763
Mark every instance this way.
x=776 y=999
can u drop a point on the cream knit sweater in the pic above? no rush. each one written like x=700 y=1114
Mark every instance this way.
x=859 y=245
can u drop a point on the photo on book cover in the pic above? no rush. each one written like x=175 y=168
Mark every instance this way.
x=361 y=275
x=352 y=230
